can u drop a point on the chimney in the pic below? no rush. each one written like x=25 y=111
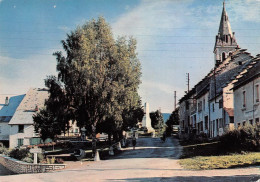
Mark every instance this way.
x=6 y=101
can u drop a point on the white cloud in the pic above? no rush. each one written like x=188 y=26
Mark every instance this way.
x=18 y=75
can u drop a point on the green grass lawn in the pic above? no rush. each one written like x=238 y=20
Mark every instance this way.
x=221 y=162
x=212 y=155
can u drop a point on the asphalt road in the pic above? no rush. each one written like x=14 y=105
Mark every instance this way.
x=152 y=160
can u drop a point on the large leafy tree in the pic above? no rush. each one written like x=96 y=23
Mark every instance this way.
x=99 y=75
x=157 y=119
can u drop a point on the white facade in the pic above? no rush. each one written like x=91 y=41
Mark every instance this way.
x=202 y=114
x=246 y=100
x=22 y=137
x=21 y=124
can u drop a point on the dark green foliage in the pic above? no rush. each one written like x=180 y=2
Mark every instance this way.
x=172 y=120
x=19 y=153
x=24 y=155
x=157 y=119
x=54 y=118
x=97 y=83
x=244 y=139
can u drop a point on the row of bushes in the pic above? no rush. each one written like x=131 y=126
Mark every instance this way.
x=24 y=154
x=245 y=138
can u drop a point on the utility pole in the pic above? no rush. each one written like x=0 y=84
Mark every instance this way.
x=188 y=81
x=174 y=100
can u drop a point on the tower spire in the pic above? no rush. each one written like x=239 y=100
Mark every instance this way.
x=225 y=40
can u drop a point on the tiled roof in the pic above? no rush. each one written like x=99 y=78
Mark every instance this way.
x=227 y=74
x=34 y=97
x=250 y=72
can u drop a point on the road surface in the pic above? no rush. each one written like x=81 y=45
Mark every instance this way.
x=152 y=160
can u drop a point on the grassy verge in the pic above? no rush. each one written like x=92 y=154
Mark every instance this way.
x=221 y=162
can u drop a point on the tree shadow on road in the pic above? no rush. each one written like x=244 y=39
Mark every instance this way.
x=238 y=178
x=154 y=149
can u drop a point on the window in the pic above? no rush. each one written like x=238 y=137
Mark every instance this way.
x=220 y=103
x=35 y=141
x=223 y=56
x=204 y=103
x=187 y=105
x=206 y=122
x=200 y=106
x=217 y=126
x=20 y=128
x=20 y=142
x=213 y=107
x=251 y=122
x=244 y=98
x=257 y=93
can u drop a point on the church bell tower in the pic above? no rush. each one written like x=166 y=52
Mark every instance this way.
x=225 y=40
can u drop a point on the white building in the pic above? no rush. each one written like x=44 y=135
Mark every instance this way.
x=247 y=96
x=209 y=106
x=8 y=106
x=21 y=124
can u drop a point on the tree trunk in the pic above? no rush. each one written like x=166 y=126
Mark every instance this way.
x=94 y=140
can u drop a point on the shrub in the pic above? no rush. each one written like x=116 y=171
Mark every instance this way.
x=28 y=160
x=4 y=151
x=25 y=155
x=19 y=153
x=245 y=138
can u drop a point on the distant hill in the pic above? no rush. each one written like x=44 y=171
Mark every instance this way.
x=166 y=116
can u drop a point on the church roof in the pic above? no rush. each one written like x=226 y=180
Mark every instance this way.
x=224 y=26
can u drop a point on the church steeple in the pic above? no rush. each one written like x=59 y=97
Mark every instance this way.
x=225 y=40
x=224 y=26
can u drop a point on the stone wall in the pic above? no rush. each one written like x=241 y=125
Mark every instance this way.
x=21 y=167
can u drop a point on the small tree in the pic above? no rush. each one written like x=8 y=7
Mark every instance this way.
x=157 y=119
x=172 y=120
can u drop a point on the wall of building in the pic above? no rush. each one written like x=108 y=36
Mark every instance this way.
x=15 y=135
x=4 y=131
x=216 y=114
x=202 y=112
x=251 y=111
x=20 y=167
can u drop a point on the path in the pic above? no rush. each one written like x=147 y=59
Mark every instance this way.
x=151 y=161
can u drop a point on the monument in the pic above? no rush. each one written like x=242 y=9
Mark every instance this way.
x=146 y=122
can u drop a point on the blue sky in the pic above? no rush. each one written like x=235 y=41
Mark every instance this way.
x=174 y=37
